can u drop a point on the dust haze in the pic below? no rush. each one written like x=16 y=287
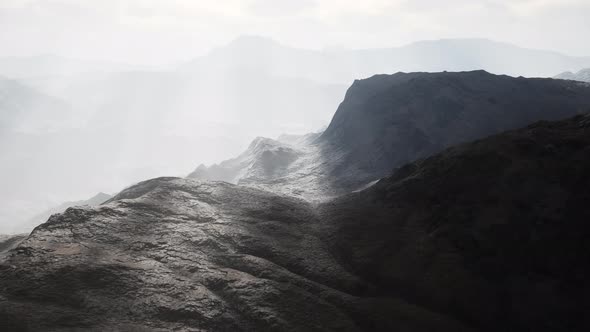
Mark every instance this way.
x=95 y=97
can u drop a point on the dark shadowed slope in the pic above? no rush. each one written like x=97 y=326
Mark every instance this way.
x=388 y=120
x=492 y=232
x=489 y=235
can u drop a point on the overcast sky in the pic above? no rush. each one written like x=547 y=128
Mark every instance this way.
x=163 y=31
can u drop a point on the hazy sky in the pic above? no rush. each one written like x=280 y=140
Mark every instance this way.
x=162 y=31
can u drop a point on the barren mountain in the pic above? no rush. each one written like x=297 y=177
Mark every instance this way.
x=486 y=236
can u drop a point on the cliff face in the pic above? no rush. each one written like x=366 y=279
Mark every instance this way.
x=389 y=120
x=485 y=236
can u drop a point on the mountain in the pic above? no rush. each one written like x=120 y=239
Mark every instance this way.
x=26 y=109
x=485 y=236
x=388 y=120
x=583 y=75
x=343 y=66
x=93 y=201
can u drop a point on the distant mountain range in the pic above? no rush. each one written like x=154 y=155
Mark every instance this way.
x=335 y=66
x=25 y=109
x=343 y=66
x=582 y=75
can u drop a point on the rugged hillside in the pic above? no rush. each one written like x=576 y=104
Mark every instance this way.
x=491 y=232
x=388 y=120
x=488 y=236
x=176 y=254
x=582 y=75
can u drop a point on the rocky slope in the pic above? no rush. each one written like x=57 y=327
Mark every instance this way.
x=388 y=120
x=182 y=254
x=485 y=236
x=492 y=232
x=582 y=75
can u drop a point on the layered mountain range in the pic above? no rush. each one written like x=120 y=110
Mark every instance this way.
x=388 y=220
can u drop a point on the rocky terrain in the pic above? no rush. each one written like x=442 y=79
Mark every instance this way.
x=388 y=120
x=492 y=232
x=583 y=75
x=488 y=236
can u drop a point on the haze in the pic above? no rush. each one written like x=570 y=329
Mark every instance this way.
x=97 y=95
x=163 y=32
